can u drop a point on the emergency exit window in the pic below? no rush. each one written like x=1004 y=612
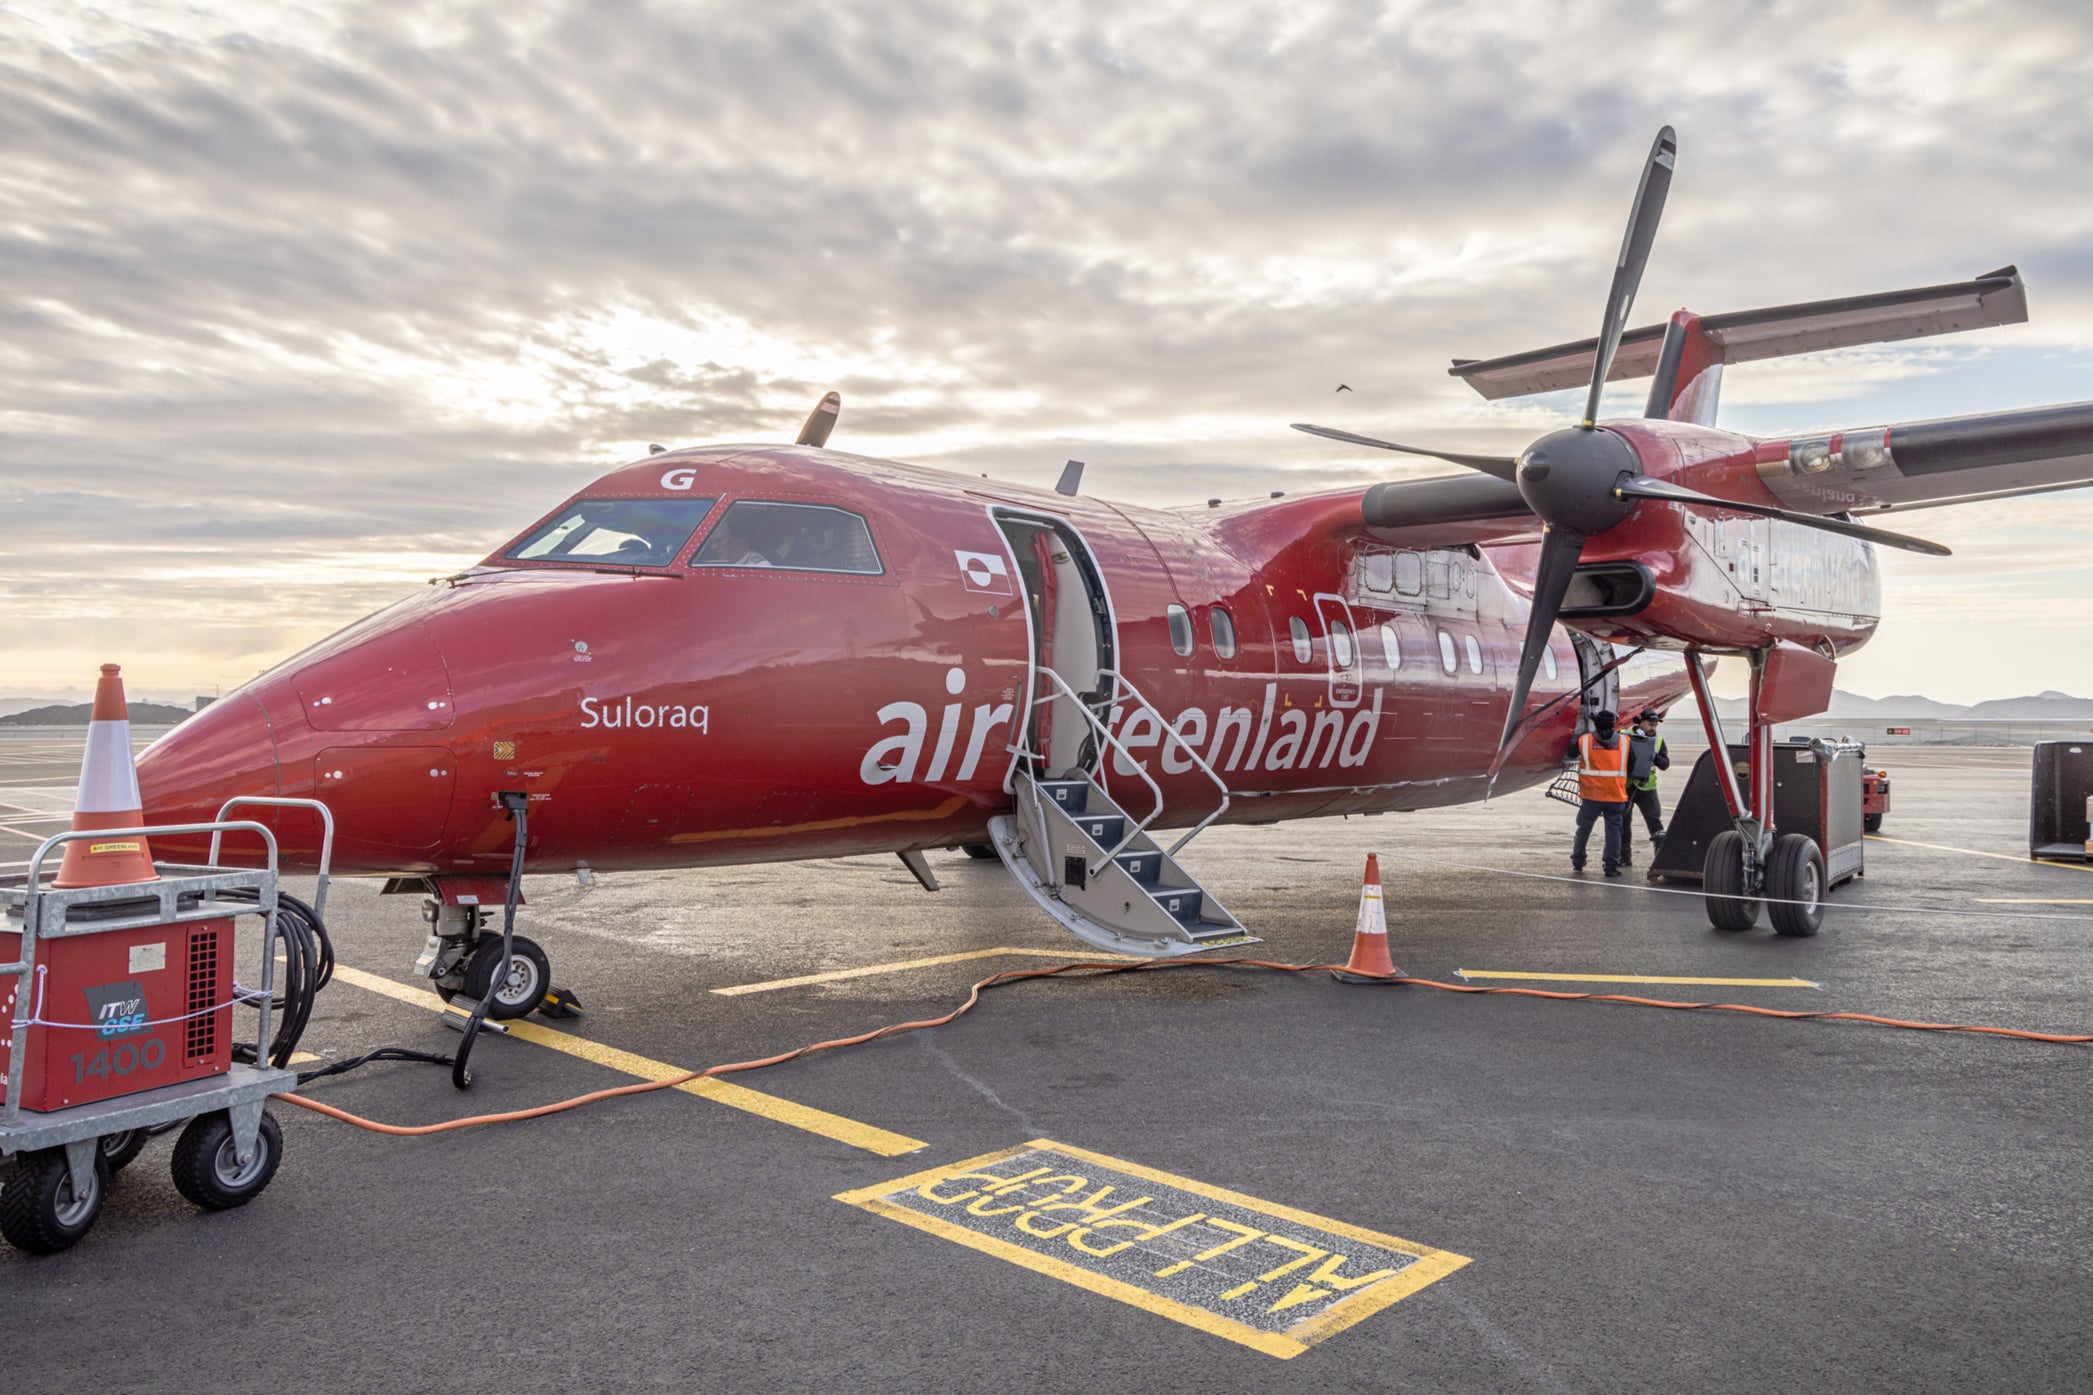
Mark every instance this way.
x=1304 y=649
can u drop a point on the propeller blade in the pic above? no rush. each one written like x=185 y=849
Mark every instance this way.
x=821 y=420
x=1501 y=466
x=1635 y=252
x=1560 y=550
x=1643 y=487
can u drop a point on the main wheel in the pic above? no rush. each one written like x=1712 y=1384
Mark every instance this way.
x=980 y=852
x=1722 y=884
x=207 y=1167
x=118 y=1149
x=1795 y=885
x=1871 y=823
x=523 y=980
x=40 y=1212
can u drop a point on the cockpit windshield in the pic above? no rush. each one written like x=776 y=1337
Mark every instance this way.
x=614 y=532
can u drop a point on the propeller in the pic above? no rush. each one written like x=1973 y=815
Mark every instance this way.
x=1502 y=466
x=1581 y=480
x=1643 y=487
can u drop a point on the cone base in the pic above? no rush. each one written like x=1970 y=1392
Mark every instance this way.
x=1391 y=980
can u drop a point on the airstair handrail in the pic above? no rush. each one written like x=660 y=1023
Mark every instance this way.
x=1171 y=733
x=1111 y=742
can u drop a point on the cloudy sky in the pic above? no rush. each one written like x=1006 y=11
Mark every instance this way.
x=308 y=303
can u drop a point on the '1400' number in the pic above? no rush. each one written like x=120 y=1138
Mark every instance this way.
x=124 y=1059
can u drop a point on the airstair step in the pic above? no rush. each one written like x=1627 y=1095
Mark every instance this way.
x=1104 y=829
x=1181 y=904
x=1143 y=867
x=1072 y=795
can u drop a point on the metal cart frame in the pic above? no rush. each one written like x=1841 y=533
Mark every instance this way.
x=39 y=913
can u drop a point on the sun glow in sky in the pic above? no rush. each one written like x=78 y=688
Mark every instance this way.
x=312 y=303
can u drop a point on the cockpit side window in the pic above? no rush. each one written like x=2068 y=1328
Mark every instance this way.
x=614 y=532
x=790 y=537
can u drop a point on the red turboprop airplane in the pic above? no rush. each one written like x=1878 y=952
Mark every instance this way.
x=755 y=653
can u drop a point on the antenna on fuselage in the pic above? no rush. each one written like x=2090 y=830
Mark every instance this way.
x=1071 y=478
x=821 y=421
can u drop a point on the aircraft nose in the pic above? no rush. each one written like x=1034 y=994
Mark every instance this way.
x=186 y=776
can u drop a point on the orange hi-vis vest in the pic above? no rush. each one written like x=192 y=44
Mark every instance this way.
x=1602 y=771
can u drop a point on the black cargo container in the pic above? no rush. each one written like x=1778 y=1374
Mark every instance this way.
x=2061 y=801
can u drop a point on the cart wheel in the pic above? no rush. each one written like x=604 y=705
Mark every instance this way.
x=1722 y=884
x=1795 y=882
x=1871 y=823
x=39 y=1212
x=523 y=985
x=207 y=1166
x=980 y=852
x=118 y=1149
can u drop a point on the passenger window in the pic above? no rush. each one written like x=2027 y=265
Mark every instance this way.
x=1391 y=648
x=1223 y=627
x=1341 y=644
x=1548 y=662
x=1180 y=629
x=1304 y=650
x=1447 y=660
x=790 y=537
x=614 y=532
x=1475 y=654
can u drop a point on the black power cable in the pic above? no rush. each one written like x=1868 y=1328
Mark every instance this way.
x=515 y=806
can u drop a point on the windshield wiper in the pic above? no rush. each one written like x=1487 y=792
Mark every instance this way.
x=635 y=572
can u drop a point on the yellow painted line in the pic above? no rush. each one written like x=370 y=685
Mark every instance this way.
x=783 y=1111
x=904 y=965
x=1978 y=852
x=1643 y=978
x=1432 y=1264
x=2030 y=901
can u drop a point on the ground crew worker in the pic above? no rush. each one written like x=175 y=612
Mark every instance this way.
x=1646 y=756
x=1602 y=788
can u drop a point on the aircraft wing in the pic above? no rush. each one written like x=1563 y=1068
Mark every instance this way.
x=1994 y=455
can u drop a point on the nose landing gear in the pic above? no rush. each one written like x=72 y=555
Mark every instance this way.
x=462 y=956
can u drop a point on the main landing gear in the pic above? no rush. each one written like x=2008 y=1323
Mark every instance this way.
x=1749 y=865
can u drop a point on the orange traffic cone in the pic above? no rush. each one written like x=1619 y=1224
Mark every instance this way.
x=108 y=798
x=1370 y=962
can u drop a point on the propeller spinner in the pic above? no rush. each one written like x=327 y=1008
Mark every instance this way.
x=1582 y=480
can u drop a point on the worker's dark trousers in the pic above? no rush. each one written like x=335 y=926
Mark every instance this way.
x=1652 y=817
x=1591 y=811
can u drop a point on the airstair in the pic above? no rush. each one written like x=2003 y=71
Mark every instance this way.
x=1092 y=865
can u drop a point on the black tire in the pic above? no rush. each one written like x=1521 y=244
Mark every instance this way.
x=39 y=1213
x=1722 y=884
x=1795 y=885
x=528 y=978
x=980 y=852
x=207 y=1168
x=1871 y=822
x=119 y=1149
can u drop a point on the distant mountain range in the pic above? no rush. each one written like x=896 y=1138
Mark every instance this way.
x=152 y=714
x=2050 y=706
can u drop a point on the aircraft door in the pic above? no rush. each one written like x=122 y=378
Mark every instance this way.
x=1341 y=643
x=1602 y=696
x=1072 y=636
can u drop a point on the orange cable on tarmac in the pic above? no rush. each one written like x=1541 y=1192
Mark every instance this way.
x=1101 y=969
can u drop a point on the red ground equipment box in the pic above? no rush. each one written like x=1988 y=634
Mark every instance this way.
x=120 y=1011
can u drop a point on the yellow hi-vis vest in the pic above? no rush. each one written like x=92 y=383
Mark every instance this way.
x=1602 y=771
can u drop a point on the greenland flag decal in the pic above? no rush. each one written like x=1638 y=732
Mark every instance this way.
x=983 y=571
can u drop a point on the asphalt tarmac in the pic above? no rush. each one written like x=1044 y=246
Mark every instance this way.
x=1645 y=1200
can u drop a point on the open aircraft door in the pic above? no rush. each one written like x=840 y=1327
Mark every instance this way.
x=1603 y=695
x=1073 y=637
